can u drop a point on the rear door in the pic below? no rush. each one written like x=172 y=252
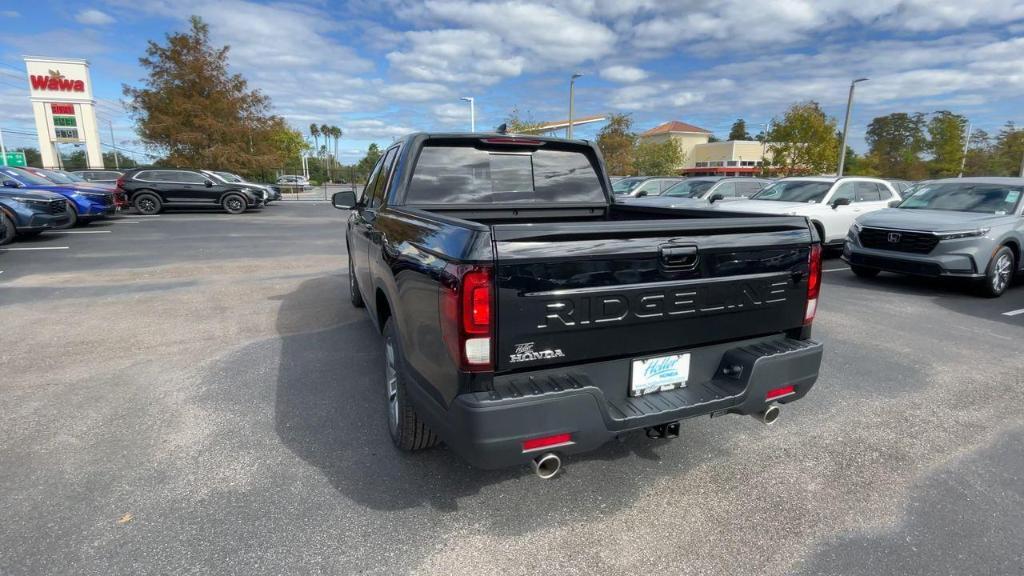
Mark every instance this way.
x=589 y=291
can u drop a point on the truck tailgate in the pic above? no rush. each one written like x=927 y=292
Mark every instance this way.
x=576 y=292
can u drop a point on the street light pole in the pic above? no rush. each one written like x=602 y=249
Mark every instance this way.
x=846 y=127
x=572 y=87
x=472 y=112
x=967 y=144
x=113 y=143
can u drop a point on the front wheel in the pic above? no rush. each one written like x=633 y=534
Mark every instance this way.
x=148 y=204
x=408 y=431
x=7 y=229
x=234 y=204
x=999 y=273
x=72 y=218
x=864 y=272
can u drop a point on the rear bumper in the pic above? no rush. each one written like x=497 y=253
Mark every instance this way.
x=590 y=402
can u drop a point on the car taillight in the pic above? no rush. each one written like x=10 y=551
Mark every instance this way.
x=467 y=318
x=813 y=283
x=120 y=182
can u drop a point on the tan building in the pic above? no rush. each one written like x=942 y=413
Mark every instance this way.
x=731 y=158
x=686 y=136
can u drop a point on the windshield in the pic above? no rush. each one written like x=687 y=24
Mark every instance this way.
x=56 y=177
x=964 y=197
x=626 y=185
x=25 y=177
x=228 y=176
x=794 y=191
x=689 y=188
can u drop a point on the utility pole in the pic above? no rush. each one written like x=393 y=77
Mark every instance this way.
x=967 y=144
x=472 y=112
x=117 y=163
x=846 y=127
x=3 y=149
x=572 y=86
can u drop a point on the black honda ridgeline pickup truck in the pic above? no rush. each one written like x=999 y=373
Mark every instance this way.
x=527 y=315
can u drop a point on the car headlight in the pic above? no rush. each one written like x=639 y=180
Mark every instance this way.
x=963 y=234
x=855 y=228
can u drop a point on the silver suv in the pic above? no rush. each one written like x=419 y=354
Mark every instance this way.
x=961 y=227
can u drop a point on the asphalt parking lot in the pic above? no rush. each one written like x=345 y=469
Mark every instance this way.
x=192 y=393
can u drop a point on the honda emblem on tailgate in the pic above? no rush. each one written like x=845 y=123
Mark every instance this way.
x=894 y=237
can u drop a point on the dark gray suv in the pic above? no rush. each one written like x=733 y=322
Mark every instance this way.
x=961 y=227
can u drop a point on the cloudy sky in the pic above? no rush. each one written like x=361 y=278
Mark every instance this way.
x=383 y=68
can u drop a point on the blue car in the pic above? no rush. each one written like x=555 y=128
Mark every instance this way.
x=84 y=205
x=26 y=213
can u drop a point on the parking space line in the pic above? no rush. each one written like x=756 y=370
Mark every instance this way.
x=35 y=248
x=123 y=221
x=1014 y=312
x=834 y=269
x=79 y=232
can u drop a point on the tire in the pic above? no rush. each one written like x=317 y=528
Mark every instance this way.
x=864 y=272
x=148 y=204
x=7 y=229
x=72 y=218
x=407 y=430
x=999 y=274
x=353 y=286
x=233 y=204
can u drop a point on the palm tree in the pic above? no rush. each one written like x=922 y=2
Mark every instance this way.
x=326 y=131
x=314 y=131
x=336 y=133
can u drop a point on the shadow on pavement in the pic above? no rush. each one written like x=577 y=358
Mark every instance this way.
x=964 y=519
x=330 y=411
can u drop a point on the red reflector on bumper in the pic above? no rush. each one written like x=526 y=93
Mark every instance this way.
x=780 y=392
x=534 y=443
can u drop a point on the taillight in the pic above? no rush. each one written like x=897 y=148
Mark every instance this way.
x=120 y=182
x=467 y=316
x=813 y=283
x=780 y=392
x=546 y=442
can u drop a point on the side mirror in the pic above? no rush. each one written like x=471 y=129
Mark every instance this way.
x=344 y=200
x=894 y=203
x=11 y=184
x=641 y=194
x=840 y=202
x=208 y=184
x=715 y=198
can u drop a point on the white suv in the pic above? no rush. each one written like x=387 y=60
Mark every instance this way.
x=830 y=203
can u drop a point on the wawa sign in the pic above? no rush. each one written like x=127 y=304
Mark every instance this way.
x=56 y=82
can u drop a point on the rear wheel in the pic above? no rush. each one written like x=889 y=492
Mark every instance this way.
x=353 y=287
x=7 y=230
x=864 y=272
x=999 y=273
x=234 y=204
x=408 y=431
x=148 y=204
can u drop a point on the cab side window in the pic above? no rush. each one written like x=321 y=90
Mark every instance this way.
x=651 y=188
x=845 y=190
x=376 y=198
x=866 y=192
x=371 y=182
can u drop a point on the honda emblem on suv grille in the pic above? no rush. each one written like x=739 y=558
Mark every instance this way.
x=894 y=237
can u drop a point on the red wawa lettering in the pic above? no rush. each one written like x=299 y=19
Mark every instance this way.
x=61 y=84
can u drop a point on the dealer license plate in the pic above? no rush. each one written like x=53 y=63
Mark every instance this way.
x=659 y=374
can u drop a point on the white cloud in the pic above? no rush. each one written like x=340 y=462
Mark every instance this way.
x=373 y=129
x=416 y=91
x=456 y=56
x=625 y=74
x=94 y=17
x=10 y=13
x=451 y=114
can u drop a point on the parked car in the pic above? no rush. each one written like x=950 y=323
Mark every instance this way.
x=638 y=186
x=70 y=179
x=830 y=203
x=702 y=191
x=525 y=315
x=101 y=176
x=84 y=206
x=901 y=186
x=958 y=227
x=272 y=195
x=151 y=190
x=27 y=213
x=293 y=181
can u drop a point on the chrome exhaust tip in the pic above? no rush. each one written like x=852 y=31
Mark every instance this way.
x=546 y=466
x=768 y=415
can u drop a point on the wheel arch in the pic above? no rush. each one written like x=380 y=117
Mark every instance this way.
x=382 y=308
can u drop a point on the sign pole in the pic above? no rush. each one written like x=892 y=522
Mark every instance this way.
x=3 y=149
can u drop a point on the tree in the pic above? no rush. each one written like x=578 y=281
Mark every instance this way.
x=981 y=157
x=804 y=141
x=617 y=143
x=365 y=166
x=123 y=161
x=518 y=123
x=895 y=143
x=1009 y=150
x=314 y=131
x=947 y=133
x=739 y=130
x=658 y=158
x=194 y=111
